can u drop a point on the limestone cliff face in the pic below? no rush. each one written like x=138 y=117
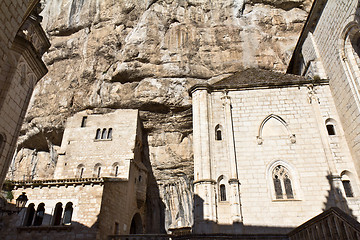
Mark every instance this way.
x=145 y=54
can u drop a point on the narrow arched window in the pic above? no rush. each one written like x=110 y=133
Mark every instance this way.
x=57 y=214
x=80 y=171
x=277 y=186
x=116 y=171
x=98 y=171
x=39 y=216
x=29 y=216
x=103 y=135
x=222 y=192
x=98 y=134
x=68 y=213
x=109 y=135
x=288 y=188
x=218 y=134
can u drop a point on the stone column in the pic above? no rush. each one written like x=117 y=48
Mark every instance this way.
x=234 y=183
x=204 y=191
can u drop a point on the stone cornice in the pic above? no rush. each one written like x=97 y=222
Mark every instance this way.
x=66 y=182
x=26 y=49
x=211 y=88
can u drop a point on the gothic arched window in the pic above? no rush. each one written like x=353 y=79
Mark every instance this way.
x=345 y=179
x=68 y=213
x=39 y=216
x=80 y=171
x=57 y=214
x=97 y=170
x=282 y=181
x=29 y=216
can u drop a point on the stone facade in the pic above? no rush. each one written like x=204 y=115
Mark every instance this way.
x=22 y=44
x=328 y=47
x=255 y=127
x=100 y=175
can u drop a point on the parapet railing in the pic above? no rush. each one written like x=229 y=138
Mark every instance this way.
x=331 y=224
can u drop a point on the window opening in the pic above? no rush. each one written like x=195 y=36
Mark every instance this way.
x=103 y=136
x=68 y=213
x=83 y=122
x=39 y=216
x=282 y=183
x=57 y=214
x=81 y=172
x=98 y=171
x=330 y=129
x=218 y=134
x=222 y=192
x=98 y=134
x=29 y=215
x=347 y=188
x=116 y=228
x=109 y=136
x=116 y=171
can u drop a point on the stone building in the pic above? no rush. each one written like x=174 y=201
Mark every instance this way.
x=22 y=44
x=329 y=48
x=99 y=184
x=269 y=154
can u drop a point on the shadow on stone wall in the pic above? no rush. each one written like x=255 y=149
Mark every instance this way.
x=155 y=208
x=335 y=198
x=12 y=228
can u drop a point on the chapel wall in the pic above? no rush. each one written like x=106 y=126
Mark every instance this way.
x=329 y=37
x=305 y=158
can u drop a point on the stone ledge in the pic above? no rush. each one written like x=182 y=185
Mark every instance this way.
x=45 y=228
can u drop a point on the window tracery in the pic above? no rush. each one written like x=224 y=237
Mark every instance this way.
x=282 y=181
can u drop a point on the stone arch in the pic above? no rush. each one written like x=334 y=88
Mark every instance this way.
x=259 y=137
x=349 y=183
x=80 y=171
x=116 y=169
x=29 y=215
x=349 y=50
x=97 y=170
x=223 y=189
x=136 y=226
x=330 y=125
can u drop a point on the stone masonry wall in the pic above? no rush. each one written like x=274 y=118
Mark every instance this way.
x=329 y=38
x=310 y=159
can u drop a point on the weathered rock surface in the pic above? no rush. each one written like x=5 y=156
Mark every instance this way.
x=145 y=54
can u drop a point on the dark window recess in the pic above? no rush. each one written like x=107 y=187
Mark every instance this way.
x=30 y=212
x=83 y=122
x=68 y=213
x=222 y=192
x=330 y=129
x=98 y=171
x=98 y=134
x=109 y=135
x=278 y=190
x=116 y=170
x=288 y=188
x=39 y=216
x=57 y=214
x=81 y=172
x=347 y=188
x=103 y=135
x=218 y=135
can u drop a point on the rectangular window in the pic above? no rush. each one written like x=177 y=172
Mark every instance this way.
x=83 y=122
